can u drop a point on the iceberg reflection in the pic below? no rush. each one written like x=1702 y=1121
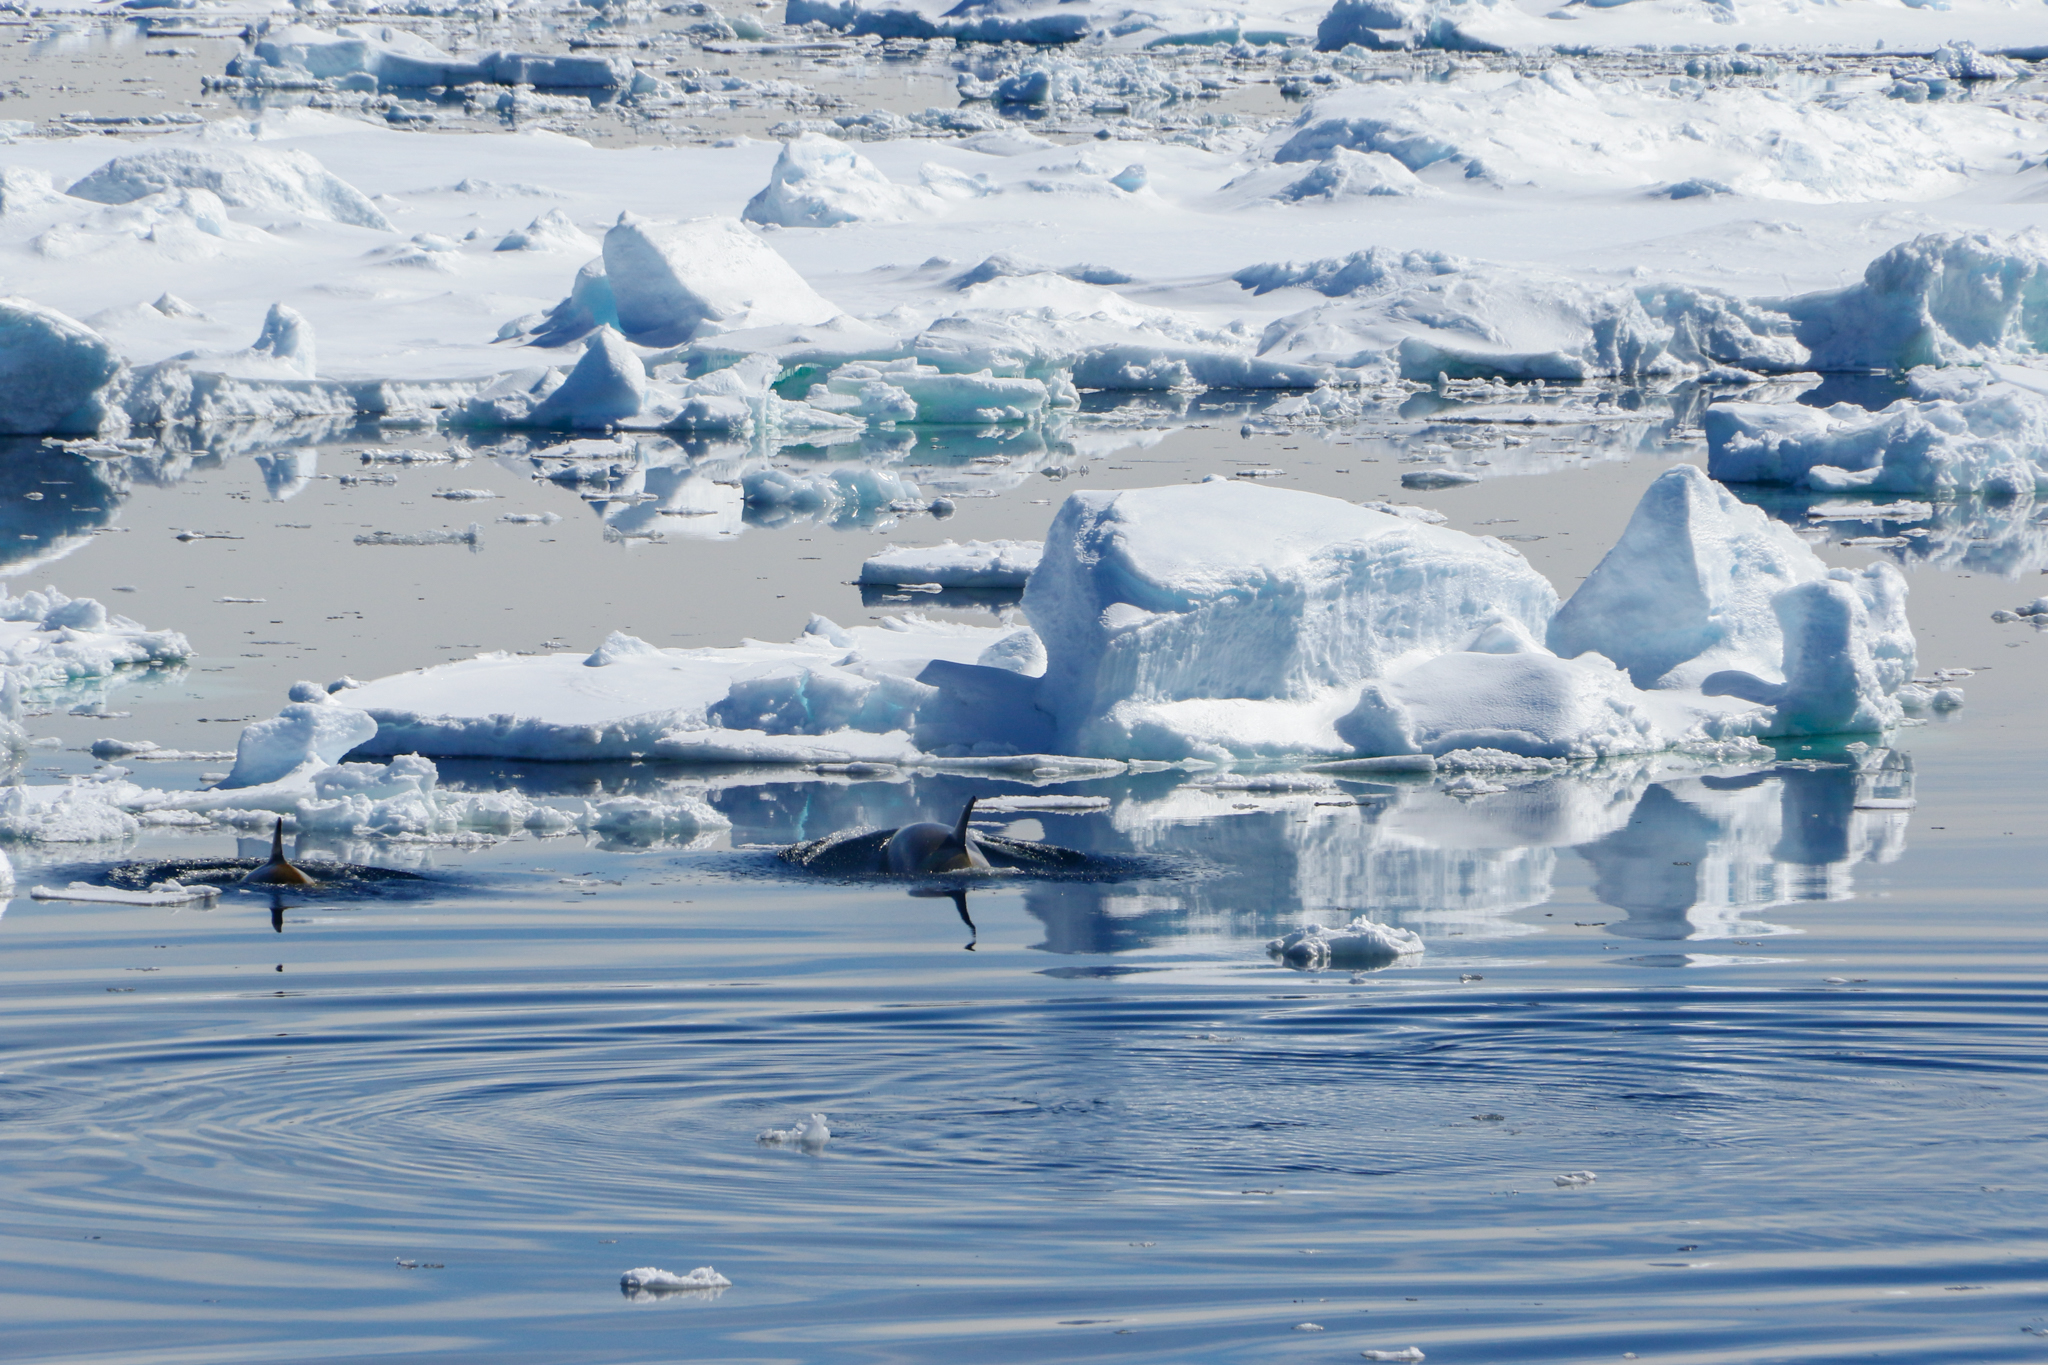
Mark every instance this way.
x=1688 y=851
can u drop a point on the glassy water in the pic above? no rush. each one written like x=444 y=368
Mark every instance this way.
x=1787 y=1015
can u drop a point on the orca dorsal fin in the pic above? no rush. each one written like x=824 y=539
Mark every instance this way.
x=277 y=842
x=966 y=814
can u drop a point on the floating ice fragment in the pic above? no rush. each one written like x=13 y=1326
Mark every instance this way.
x=160 y=893
x=471 y=536
x=1574 y=1178
x=810 y=1133
x=531 y=518
x=467 y=494
x=1410 y=1353
x=976 y=564
x=1308 y=1327
x=1361 y=943
x=652 y=1277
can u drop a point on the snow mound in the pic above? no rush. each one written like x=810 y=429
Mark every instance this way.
x=550 y=231
x=1946 y=298
x=663 y=284
x=821 y=182
x=1362 y=943
x=59 y=376
x=1345 y=174
x=1992 y=437
x=977 y=564
x=1561 y=129
x=261 y=178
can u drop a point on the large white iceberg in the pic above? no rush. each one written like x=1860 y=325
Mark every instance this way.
x=1227 y=620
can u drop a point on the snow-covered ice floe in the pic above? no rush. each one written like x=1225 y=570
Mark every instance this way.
x=1227 y=620
x=977 y=564
x=48 y=639
x=1980 y=429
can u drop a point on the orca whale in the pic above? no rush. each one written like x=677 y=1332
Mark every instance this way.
x=278 y=871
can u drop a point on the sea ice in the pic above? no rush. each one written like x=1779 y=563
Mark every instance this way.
x=810 y=1133
x=1981 y=430
x=976 y=564
x=160 y=893
x=57 y=374
x=1362 y=943
x=244 y=177
x=651 y=1277
x=1228 y=619
x=821 y=182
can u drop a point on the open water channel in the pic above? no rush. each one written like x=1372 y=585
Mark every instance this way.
x=1788 y=1015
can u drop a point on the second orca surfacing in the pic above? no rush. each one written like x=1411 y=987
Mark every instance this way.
x=928 y=848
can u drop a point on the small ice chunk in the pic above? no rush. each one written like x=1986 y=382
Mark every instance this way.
x=810 y=1133
x=1361 y=943
x=467 y=494
x=653 y=1277
x=1573 y=1179
x=1308 y=1327
x=1408 y=1353
x=160 y=893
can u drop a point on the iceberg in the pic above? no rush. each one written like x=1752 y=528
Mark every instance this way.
x=60 y=376
x=1944 y=298
x=1227 y=620
x=1979 y=430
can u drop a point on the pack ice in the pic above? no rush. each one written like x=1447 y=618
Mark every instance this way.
x=1225 y=620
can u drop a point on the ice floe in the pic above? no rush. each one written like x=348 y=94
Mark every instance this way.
x=1978 y=430
x=1227 y=620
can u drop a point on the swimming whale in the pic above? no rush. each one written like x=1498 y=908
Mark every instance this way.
x=929 y=846
x=931 y=849
x=278 y=871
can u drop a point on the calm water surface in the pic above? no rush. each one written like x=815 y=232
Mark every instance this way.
x=1794 y=1030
